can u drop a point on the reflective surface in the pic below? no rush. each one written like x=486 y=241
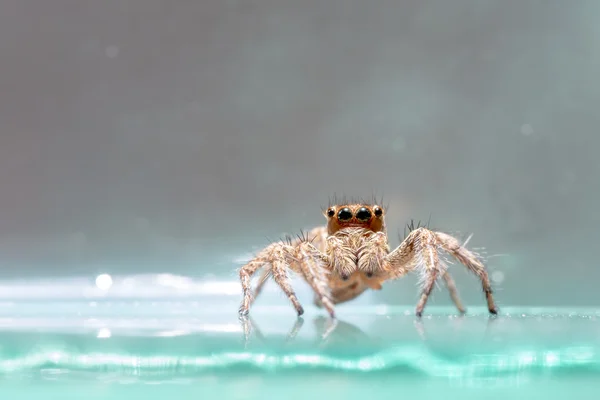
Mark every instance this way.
x=106 y=344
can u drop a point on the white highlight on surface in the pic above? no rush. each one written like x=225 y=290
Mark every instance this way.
x=382 y=309
x=174 y=281
x=143 y=286
x=551 y=359
x=527 y=358
x=55 y=356
x=104 y=333
x=104 y=281
x=526 y=130
x=111 y=51
x=498 y=276
x=173 y=333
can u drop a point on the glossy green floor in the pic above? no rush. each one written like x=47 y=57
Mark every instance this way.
x=155 y=349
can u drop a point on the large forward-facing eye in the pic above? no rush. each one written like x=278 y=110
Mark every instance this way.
x=363 y=214
x=345 y=214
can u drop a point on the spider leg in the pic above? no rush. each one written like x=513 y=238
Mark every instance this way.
x=246 y=273
x=431 y=266
x=311 y=263
x=472 y=262
x=280 y=276
x=451 y=285
x=416 y=252
x=420 y=251
x=264 y=276
x=300 y=256
x=278 y=255
x=316 y=237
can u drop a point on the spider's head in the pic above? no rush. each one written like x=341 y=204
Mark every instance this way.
x=366 y=216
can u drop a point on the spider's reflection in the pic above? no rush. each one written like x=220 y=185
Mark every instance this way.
x=328 y=331
x=458 y=323
x=460 y=338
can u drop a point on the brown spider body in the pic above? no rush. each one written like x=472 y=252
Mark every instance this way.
x=350 y=255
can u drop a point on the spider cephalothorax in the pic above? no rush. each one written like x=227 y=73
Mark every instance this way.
x=351 y=254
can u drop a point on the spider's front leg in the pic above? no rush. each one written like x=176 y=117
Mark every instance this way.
x=301 y=257
x=419 y=251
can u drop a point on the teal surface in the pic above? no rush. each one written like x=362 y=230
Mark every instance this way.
x=113 y=349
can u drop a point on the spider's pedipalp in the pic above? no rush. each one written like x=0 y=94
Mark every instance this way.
x=343 y=259
x=372 y=254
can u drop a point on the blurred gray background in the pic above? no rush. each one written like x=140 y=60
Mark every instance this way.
x=177 y=136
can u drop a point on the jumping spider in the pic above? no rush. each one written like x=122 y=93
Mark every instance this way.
x=351 y=254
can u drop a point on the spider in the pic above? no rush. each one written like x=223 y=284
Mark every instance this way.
x=350 y=255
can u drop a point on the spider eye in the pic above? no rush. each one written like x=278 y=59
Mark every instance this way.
x=363 y=214
x=331 y=212
x=378 y=211
x=345 y=214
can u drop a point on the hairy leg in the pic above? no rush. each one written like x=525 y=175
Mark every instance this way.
x=300 y=256
x=246 y=273
x=280 y=275
x=311 y=263
x=264 y=277
x=451 y=285
x=431 y=268
x=279 y=256
x=316 y=236
x=472 y=262
x=419 y=251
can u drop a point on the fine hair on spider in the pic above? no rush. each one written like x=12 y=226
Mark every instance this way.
x=344 y=199
x=409 y=227
x=351 y=254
